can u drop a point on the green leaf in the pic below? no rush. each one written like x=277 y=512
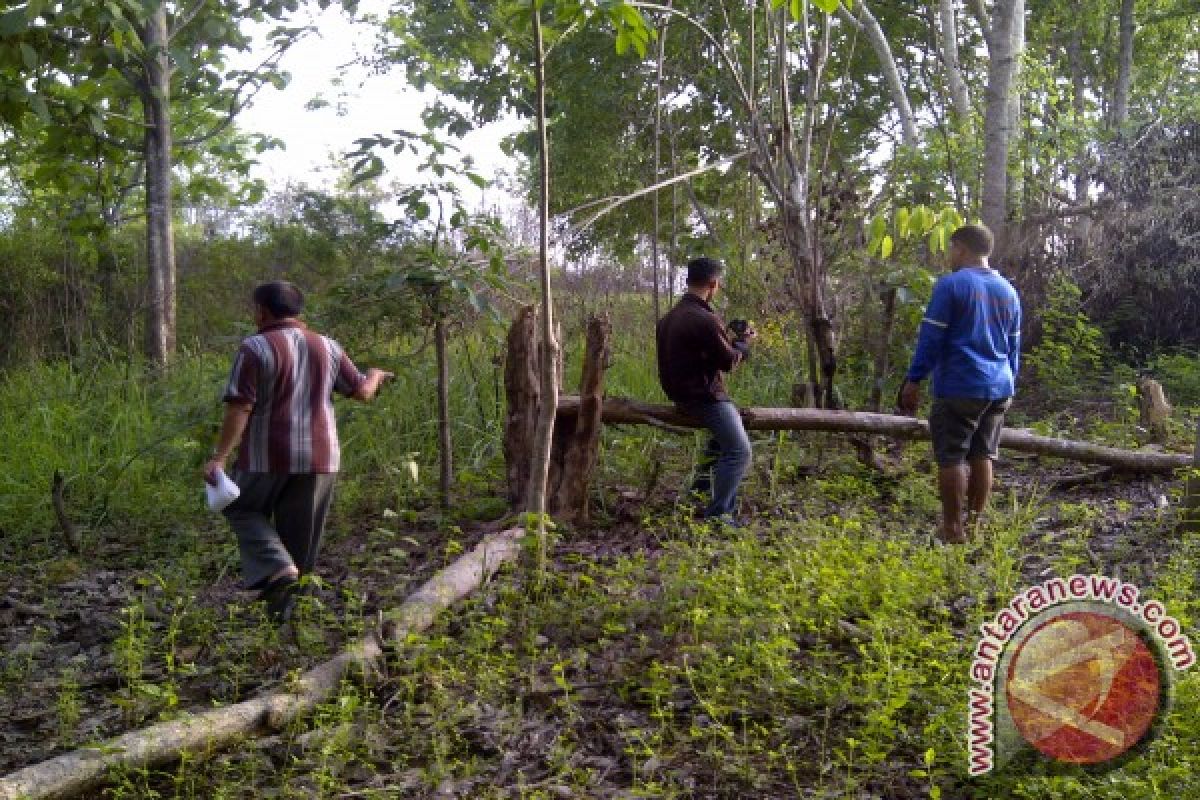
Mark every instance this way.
x=795 y=9
x=937 y=239
x=877 y=228
x=38 y=104
x=930 y=755
x=902 y=220
x=13 y=22
x=420 y=211
x=29 y=56
x=828 y=6
x=886 y=246
x=622 y=43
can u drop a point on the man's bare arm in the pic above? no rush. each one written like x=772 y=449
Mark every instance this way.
x=232 y=428
x=368 y=389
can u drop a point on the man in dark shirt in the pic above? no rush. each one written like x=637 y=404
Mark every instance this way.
x=970 y=343
x=279 y=414
x=693 y=351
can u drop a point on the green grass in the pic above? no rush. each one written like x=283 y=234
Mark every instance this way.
x=821 y=653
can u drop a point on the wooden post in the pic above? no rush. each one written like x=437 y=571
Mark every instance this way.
x=577 y=437
x=576 y=442
x=1155 y=410
x=522 y=388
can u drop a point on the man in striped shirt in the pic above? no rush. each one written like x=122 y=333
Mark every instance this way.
x=970 y=342
x=279 y=414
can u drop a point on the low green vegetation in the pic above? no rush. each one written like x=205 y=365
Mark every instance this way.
x=822 y=651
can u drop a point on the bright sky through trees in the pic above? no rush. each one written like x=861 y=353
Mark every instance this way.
x=356 y=103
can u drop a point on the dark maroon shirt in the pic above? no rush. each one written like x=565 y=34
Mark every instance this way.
x=288 y=374
x=693 y=351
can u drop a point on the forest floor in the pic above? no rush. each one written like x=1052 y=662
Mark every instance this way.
x=821 y=651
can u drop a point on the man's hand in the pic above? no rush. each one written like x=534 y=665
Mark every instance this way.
x=375 y=378
x=910 y=397
x=750 y=335
x=211 y=469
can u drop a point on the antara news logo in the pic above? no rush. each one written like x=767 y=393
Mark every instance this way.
x=1079 y=670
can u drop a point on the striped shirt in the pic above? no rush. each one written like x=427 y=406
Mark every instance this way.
x=288 y=374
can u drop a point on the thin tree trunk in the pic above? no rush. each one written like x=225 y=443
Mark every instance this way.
x=882 y=348
x=1120 y=111
x=954 y=79
x=869 y=25
x=619 y=411
x=658 y=103
x=160 y=238
x=445 y=445
x=996 y=121
x=540 y=468
x=1016 y=175
x=1078 y=111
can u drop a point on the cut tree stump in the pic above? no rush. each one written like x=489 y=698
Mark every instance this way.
x=576 y=445
x=523 y=391
x=1154 y=409
x=631 y=412
x=200 y=735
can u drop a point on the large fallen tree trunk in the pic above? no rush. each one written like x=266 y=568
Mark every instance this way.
x=622 y=411
x=200 y=735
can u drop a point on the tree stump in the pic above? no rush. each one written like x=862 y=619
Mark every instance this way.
x=1155 y=409
x=576 y=445
x=576 y=442
x=523 y=392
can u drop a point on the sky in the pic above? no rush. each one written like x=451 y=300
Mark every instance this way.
x=364 y=104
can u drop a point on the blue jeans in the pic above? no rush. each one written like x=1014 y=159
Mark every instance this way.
x=727 y=455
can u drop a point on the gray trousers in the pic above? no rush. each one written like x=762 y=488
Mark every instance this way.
x=278 y=520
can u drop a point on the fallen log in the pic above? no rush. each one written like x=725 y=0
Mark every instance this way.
x=201 y=734
x=621 y=411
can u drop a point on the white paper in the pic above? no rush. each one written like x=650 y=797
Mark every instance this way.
x=221 y=495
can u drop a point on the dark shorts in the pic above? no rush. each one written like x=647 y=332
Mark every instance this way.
x=965 y=429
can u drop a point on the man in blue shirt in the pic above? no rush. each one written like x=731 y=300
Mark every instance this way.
x=970 y=342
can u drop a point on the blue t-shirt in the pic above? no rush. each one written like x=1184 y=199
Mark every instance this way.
x=971 y=336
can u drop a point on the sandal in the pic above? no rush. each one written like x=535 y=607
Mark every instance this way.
x=280 y=597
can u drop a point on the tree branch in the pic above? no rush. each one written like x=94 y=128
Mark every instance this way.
x=614 y=203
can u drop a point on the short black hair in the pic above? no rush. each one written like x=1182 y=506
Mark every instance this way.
x=702 y=270
x=976 y=238
x=281 y=298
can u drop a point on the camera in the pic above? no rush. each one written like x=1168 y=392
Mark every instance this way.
x=739 y=327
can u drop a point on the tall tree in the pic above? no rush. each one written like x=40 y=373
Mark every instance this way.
x=128 y=74
x=1003 y=64
x=1120 y=107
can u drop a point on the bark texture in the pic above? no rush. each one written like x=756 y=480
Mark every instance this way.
x=1120 y=108
x=523 y=388
x=997 y=122
x=622 y=411
x=199 y=735
x=160 y=235
x=549 y=351
x=577 y=437
x=445 y=445
x=949 y=42
x=887 y=62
